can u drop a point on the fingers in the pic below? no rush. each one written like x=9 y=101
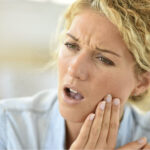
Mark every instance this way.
x=84 y=133
x=96 y=126
x=114 y=123
x=136 y=145
x=95 y=132
x=106 y=120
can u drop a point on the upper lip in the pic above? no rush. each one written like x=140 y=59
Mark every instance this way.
x=74 y=88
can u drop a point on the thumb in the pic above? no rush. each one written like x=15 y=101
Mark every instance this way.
x=136 y=145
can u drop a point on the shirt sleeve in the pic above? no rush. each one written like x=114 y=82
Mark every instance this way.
x=3 y=138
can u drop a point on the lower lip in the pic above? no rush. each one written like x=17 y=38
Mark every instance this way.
x=70 y=100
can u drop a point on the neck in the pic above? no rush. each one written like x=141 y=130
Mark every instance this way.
x=72 y=131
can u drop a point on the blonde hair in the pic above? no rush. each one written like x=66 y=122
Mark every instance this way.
x=132 y=18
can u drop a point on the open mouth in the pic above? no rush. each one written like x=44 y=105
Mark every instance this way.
x=73 y=94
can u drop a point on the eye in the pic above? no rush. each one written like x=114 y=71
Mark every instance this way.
x=71 y=46
x=106 y=61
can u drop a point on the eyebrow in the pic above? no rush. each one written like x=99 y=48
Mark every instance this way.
x=99 y=49
x=108 y=51
x=70 y=35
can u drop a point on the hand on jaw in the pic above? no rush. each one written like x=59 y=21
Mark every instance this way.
x=100 y=130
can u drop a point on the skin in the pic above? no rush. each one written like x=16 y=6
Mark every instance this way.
x=80 y=65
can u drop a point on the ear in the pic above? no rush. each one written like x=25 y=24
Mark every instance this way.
x=143 y=83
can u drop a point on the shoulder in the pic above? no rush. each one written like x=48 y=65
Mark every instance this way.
x=141 y=122
x=142 y=119
x=41 y=101
x=133 y=126
x=18 y=116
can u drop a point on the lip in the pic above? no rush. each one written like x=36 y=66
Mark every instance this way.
x=68 y=99
x=73 y=87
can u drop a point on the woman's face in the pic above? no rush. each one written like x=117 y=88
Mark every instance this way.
x=95 y=61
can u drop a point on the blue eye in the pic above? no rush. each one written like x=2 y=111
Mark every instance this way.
x=72 y=46
x=106 y=60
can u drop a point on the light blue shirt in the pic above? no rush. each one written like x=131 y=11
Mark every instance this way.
x=34 y=123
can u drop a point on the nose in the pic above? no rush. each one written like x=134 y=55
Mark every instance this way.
x=78 y=68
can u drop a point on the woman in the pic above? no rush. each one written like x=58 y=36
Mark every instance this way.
x=104 y=60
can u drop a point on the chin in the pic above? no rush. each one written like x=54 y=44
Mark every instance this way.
x=71 y=117
x=70 y=114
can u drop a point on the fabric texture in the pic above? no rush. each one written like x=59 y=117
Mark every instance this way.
x=34 y=123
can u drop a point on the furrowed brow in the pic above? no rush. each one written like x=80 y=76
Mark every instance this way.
x=102 y=50
x=73 y=37
x=108 y=51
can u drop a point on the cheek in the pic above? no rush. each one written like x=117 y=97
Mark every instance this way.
x=124 y=85
x=119 y=85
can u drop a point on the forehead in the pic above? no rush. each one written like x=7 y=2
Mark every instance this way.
x=90 y=24
x=95 y=30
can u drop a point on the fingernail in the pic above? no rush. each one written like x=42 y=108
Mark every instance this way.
x=116 y=101
x=142 y=140
x=91 y=117
x=108 y=98
x=102 y=105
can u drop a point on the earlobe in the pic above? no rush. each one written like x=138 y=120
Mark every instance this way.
x=143 y=84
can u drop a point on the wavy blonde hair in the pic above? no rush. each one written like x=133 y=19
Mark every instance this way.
x=132 y=18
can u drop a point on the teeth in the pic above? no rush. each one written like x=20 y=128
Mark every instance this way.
x=73 y=91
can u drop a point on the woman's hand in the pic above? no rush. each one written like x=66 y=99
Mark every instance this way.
x=136 y=145
x=100 y=132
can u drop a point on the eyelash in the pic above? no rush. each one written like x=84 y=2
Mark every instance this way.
x=106 y=60
x=71 y=46
x=103 y=59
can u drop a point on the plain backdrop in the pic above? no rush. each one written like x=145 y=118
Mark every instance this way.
x=26 y=30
